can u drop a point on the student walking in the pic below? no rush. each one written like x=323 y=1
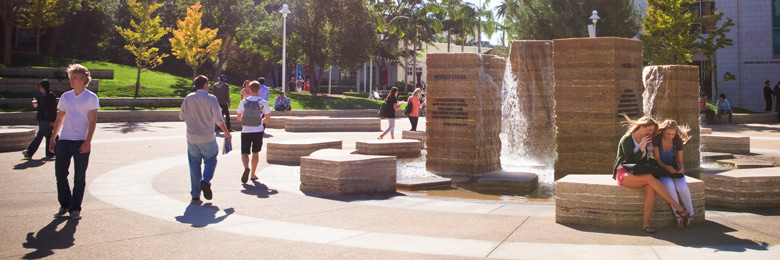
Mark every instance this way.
x=200 y=111
x=253 y=112
x=222 y=92
x=46 y=104
x=264 y=92
x=392 y=104
x=75 y=126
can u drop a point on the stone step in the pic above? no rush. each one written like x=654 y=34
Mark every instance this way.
x=415 y=135
x=508 y=183
x=707 y=131
x=329 y=152
x=725 y=144
x=348 y=174
x=745 y=163
x=29 y=86
x=12 y=140
x=743 y=188
x=711 y=156
x=290 y=152
x=425 y=183
x=354 y=124
x=42 y=73
x=401 y=148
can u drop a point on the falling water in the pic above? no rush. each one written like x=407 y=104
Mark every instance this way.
x=653 y=78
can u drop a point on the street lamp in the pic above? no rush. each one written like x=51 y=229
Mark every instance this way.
x=592 y=27
x=285 y=10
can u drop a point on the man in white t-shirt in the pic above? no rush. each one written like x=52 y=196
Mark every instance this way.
x=253 y=112
x=75 y=126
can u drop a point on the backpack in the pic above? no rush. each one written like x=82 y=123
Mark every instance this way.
x=382 y=110
x=408 y=109
x=253 y=113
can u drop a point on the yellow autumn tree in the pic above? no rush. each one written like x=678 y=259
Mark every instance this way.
x=193 y=44
x=142 y=35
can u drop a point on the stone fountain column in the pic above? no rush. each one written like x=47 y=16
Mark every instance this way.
x=672 y=92
x=596 y=79
x=463 y=121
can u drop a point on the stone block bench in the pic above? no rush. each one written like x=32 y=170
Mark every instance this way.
x=348 y=174
x=725 y=144
x=42 y=73
x=705 y=131
x=354 y=124
x=415 y=135
x=510 y=183
x=743 y=188
x=12 y=140
x=328 y=152
x=29 y=86
x=425 y=183
x=290 y=152
x=712 y=157
x=401 y=148
x=598 y=200
x=745 y=163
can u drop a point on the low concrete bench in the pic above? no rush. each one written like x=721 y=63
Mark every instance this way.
x=329 y=152
x=353 y=124
x=743 y=188
x=745 y=163
x=12 y=140
x=348 y=174
x=508 y=183
x=598 y=200
x=29 y=86
x=756 y=118
x=725 y=144
x=42 y=73
x=290 y=152
x=705 y=131
x=425 y=183
x=401 y=148
x=415 y=135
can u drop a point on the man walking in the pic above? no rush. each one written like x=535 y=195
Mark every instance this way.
x=75 y=126
x=264 y=93
x=201 y=112
x=768 y=96
x=222 y=92
x=253 y=112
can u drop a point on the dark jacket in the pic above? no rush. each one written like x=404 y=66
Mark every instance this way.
x=391 y=101
x=47 y=108
x=767 y=92
x=625 y=153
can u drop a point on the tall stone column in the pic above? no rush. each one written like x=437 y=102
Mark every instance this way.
x=596 y=79
x=672 y=92
x=463 y=121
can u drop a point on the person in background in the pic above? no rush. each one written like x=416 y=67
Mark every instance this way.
x=307 y=85
x=668 y=153
x=201 y=112
x=299 y=85
x=724 y=107
x=291 y=84
x=392 y=105
x=75 y=126
x=414 y=101
x=253 y=112
x=776 y=92
x=705 y=110
x=282 y=103
x=222 y=92
x=264 y=93
x=375 y=95
x=768 y=96
x=245 y=90
x=45 y=103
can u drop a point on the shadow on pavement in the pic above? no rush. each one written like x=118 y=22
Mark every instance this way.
x=130 y=127
x=49 y=238
x=350 y=198
x=258 y=189
x=198 y=215
x=32 y=163
x=707 y=234
x=733 y=128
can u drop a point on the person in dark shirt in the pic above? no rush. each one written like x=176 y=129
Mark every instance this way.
x=768 y=96
x=776 y=92
x=46 y=104
x=222 y=92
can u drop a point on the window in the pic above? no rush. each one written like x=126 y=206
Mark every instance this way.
x=776 y=27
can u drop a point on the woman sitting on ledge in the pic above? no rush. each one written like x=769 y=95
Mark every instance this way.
x=633 y=153
x=668 y=152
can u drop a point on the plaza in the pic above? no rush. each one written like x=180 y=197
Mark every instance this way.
x=137 y=206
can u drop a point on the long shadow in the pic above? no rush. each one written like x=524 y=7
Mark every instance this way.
x=258 y=189
x=130 y=127
x=198 y=215
x=702 y=235
x=49 y=238
x=182 y=87
x=740 y=128
x=32 y=163
x=357 y=197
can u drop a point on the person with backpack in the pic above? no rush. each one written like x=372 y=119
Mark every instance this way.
x=252 y=112
x=46 y=104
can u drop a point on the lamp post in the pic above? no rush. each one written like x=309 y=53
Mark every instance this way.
x=285 y=10
x=592 y=27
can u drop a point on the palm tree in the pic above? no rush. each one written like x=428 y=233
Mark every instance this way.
x=466 y=20
x=416 y=17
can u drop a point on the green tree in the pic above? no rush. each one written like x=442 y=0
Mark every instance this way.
x=141 y=37
x=417 y=18
x=193 y=44
x=39 y=15
x=667 y=36
x=9 y=12
x=555 y=19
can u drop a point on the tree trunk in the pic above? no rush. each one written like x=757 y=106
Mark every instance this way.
x=479 y=36
x=448 y=41
x=414 y=63
x=195 y=73
x=318 y=79
x=137 y=82
x=227 y=46
x=7 y=44
x=38 y=42
x=463 y=41
x=406 y=66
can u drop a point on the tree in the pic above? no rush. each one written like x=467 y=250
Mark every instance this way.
x=142 y=35
x=667 y=36
x=555 y=19
x=39 y=15
x=416 y=18
x=193 y=44
x=9 y=12
x=232 y=17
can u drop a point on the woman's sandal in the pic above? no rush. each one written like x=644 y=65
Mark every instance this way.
x=684 y=215
x=648 y=230
x=689 y=223
x=680 y=223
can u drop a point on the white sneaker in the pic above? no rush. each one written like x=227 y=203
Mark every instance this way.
x=75 y=214
x=61 y=212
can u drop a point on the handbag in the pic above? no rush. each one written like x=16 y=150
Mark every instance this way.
x=408 y=109
x=382 y=110
x=643 y=167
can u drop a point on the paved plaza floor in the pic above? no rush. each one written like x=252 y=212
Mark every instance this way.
x=137 y=206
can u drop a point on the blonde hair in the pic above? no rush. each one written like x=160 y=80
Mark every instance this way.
x=682 y=131
x=633 y=125
x=79 y=69
x=417 y=91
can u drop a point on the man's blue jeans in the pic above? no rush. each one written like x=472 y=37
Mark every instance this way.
x=44 y=130
x=207 y=154
x=65 y=150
